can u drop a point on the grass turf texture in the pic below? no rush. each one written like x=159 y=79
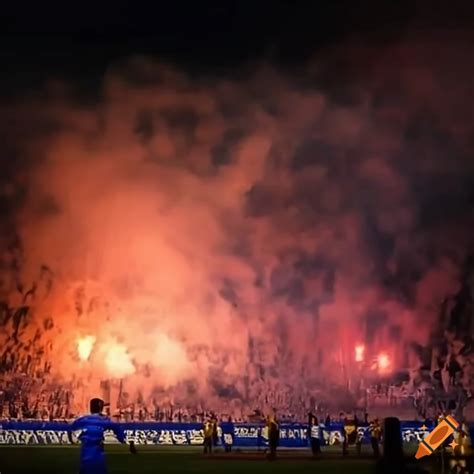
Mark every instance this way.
x=150 y=459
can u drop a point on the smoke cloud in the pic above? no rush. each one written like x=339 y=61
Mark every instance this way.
x=206 y=233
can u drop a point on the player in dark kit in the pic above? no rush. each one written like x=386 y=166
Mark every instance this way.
x=215 y=433
x=375 y=432
x=92 y=438
x=350 y=435
x=273 y=437
x=228 y=434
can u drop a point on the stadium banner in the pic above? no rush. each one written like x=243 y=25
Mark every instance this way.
x=244 y=435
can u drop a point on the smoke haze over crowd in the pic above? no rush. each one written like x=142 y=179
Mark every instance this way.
x=204 y=230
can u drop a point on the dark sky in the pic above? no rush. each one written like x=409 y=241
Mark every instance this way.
x=80 y=39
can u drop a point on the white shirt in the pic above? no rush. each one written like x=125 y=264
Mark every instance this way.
x=315 y=431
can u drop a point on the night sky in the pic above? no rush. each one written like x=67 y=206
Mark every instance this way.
x=40 y=41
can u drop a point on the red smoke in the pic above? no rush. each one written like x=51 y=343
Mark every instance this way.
x=201 y=227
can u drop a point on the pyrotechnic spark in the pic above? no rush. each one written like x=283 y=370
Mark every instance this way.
x=359 y=353
x=84 y=347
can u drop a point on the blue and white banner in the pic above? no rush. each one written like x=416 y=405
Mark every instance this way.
x=249 y=435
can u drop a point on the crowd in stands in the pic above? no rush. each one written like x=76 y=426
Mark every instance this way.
x=28 y=392
x=21 y=399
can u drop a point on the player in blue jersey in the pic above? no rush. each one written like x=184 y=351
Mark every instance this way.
x=92 y=429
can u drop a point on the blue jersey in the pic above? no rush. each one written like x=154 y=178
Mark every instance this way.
x=92 y=436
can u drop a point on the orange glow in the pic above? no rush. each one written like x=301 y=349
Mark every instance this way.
x=118 y=360
x=170 y=354
x=84 y=347
x=359 y=353
x=180 y=235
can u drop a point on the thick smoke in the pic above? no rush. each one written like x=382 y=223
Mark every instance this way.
x=205 y=234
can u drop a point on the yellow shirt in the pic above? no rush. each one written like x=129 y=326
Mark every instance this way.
x=349 y=429
x=208 y=430
x=375 y=430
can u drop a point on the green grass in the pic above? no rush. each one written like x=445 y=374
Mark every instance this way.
x=179 y=459
x=64 y=460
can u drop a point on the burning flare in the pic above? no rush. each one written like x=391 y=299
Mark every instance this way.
x=84 y=347
x=383 y=362
x=359 y=353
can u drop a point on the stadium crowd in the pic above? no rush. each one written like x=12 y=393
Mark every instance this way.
x=28 y=391
x=24 y=399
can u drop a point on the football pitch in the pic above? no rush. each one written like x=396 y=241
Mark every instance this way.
x=65 y=460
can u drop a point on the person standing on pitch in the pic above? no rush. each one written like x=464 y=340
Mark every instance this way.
x=350 y=435
x=92 y=428
x=208 y=433
x=215 y=432
x=315 y=436
x=228 y=434
x=273 y=437
x=375 y=432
